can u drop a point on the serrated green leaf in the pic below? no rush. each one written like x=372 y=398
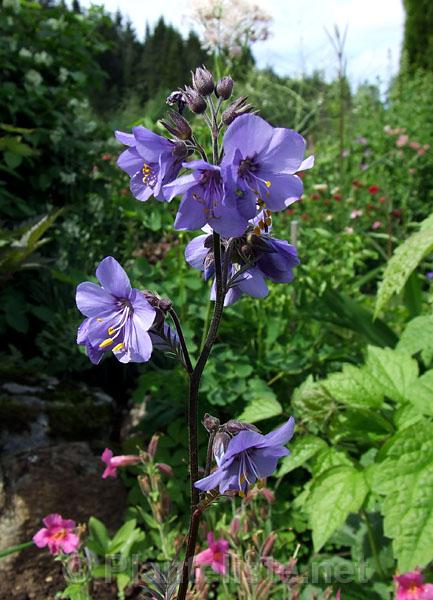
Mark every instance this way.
x=418 y=337
x=420 y=394
x=262 y=402
x=394 y=371
x=355 y=387
x=327 y=459
x=403 y=262
x=302 y=449
x=334 y=495
x=405 y=478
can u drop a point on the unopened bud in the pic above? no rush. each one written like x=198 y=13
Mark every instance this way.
x=220 y=443
x=269 y=544
x=224 y=87
x=153 y=446
x=233 y=427
x=235 y=525
x=143 y=482
x=164 y=469
x=202 y=81
x=177 y=125
x=210 y=423
x=196 y=103
x=237 y=108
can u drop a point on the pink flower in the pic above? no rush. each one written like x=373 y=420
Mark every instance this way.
x=337 y=597
x=411 y=586
x=377 y=225
x=402 y=140
x=215 y=555
x=114 y=462
x=57 y=535
x=355 y=213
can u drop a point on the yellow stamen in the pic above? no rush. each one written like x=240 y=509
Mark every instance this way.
x=99 y=320
x=106 y=343
x=241 y=494
x=262 y=224
x=268 y=183
x=111 y=330
x=257 y=230
x=268 y=221
x=118 y=347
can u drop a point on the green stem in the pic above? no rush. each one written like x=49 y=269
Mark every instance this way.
x=373 y=545
x=14 y=549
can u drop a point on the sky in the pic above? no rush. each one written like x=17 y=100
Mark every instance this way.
x=299 y=42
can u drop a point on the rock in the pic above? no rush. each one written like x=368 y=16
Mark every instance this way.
x=63 y=478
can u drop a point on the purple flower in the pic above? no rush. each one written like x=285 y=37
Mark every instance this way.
x=118 y=316
x=254 y=257
x=151 y=161
x=429 y=275
x=202 y=200
x=249 y=456
x=259 y=166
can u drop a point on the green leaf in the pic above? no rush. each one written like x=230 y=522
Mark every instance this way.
x=403 y=262
x=263 y=403
x=122 y=537
x=420 y=394
x=405 y=478
x=302 y=449
x=395 y=371
x=99 y=535
x=334 y=495
x=355 y=387
x=418 y=337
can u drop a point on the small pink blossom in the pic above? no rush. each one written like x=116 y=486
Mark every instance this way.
x=377 y=225
x=57 y=535
x=356 y=213
x=402 y=140
x=411 y=586
x=215 y=555
x=114 y=462
x=415 y=145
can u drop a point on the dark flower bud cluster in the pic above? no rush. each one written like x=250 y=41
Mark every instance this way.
x=195 y=101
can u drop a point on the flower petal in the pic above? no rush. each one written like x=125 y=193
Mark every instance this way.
x=94 y=301
x=211 y=481
x=125 y=138
x=130 y=161
x=192 y=213
x=285 y=151
x=253 y=283
x=196 y=252
x=179 y=186
x=142 y=309
x=281 y=435
x=249 y=134
x=113 y=278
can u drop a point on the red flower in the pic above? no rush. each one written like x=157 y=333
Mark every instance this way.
x=315 y=196
x=381 y=200
x=305 y=217
x=290 y=211
x=396 y=213
x=337 y=197
x=371 y=207
x=106 y=156
x=373 y=189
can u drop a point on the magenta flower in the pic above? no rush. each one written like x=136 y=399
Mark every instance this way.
x=259 y=166
x=249 y=456
x=58 y=534
x=411 y=586
x=114 y=462
x=151 y=161
x=215 y=555
x=118 y=316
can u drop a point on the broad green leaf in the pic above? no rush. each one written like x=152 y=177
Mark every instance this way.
x=302 y=449
x=334 y=495
x=262 y=402
x=327 y=459
x=418 y=337
x=99 y=534
x=355 y=387
x=394 y=371
x=420 y=394
x=405 y=478
x=403 y=262
x=122 y=536
x=361 y=426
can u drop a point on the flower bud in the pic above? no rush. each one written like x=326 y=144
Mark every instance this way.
x=196 y=103
x=220 y=443
x=210 y=423
x=233 y=427
x=177 y=125
x=237 y=108
x=180 y=150
x=164 y=469
x=202 y=81
x=224 y=87
x=153 y=446
x=269 y=544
